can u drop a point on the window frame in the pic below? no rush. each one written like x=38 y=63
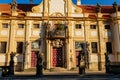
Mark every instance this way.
x=93 y=27
x=107 y=27
x=78 y=26
x=21 y=26
x=21 y=47
x=36 y=26
x=3 y=47
x=5 y=25
x=94 y=47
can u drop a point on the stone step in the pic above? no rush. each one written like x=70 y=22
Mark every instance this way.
x=30 y=70
x=58 y=69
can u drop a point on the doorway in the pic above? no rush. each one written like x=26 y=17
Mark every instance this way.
x=57 y=57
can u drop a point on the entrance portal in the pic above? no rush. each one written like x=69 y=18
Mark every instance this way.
x=57 y=57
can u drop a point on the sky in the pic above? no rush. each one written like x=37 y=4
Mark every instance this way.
x=84 y=2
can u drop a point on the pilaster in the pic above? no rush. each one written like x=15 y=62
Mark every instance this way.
x=27 y=45
x=45 y=7
x=49 y=48
x=101 y=46
x=12 y=36
x=69 y=49
x=69 y=7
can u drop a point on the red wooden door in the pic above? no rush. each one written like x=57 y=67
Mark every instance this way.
x=33 y=59
x=57 y=57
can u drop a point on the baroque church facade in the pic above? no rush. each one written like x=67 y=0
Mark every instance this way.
x=58 y=29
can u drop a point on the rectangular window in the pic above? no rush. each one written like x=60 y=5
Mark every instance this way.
x=19 y=47
x=36 y=26
x=107 y=26
x=20 y=25
x=78 y=26
x=3 y=46
x=94 y=47
x=5 y=25
x=109 y=47
x=92 y=26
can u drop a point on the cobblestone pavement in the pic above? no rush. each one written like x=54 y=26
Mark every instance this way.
x=59 y=78
x=63 y=76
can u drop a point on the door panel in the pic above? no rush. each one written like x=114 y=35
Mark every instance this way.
x=77 y=52
x=57 y=57
x=33 y=58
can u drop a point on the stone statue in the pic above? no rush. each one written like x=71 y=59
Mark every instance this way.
x=14 y=5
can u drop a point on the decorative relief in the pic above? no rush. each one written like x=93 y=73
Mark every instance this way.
x=20 y=33
x=79 y=33
x=56 y=6
x=56 y=14
x=78 y=10
x=57 y=43
x=93 y=33
x=4 y=32
x=36 y=9
x=94 y=58
x=2 y=58
x=35 y=33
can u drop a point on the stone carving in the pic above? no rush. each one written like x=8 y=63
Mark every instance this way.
x=56 y=14
x=78 y=9
x=36 y=9
x=57 y=43
x=14 y=5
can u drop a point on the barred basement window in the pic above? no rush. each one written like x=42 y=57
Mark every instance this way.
x=109 y=47
x=94 y=47
x=78 y=26
x=20 y=25
x=19 y=47
x=36 y=26
x=92 y=26
x=3 y=46
x=5 y=25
